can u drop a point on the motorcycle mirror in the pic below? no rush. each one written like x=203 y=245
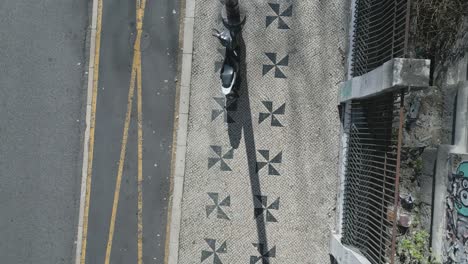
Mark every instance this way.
x=216 y=33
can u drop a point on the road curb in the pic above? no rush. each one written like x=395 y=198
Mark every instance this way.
x=182 y=131
x=84 y=170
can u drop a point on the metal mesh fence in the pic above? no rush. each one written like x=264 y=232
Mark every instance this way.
x=380 y=33
x=371 y=179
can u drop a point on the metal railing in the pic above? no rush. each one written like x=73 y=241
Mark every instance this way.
x=372 y=176
x=380 y=33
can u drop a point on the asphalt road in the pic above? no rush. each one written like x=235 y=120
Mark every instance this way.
x=43 y=89
x=42 y=96
x=159 y=48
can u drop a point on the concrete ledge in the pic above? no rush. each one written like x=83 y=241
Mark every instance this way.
x=392 y=75
x=461 y=118
x=439 y=201
x=344 y=254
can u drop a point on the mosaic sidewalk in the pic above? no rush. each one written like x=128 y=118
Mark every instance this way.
x=261 y=176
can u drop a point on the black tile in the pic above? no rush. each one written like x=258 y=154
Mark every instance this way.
x=287 y=12
x=279 y=74
x=262 y=117
x=271 y=56
x=217 y=149
x=222 y=248
x=282 y=24
x=280 y=110
x=268 y=105
x=274 y=205
x=260 y=165
x=229 y=154
x=275 y=7
x=212 y=162
x=215 y=113
x=267 y=68
x=272 y=170
x=278 y=158
x=284 y=61
x=224 y=166
x=275 y=122
x=269 y=217
x=265 y=154
x=270 y=19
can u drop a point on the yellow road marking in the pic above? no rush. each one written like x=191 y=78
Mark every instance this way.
x=121 y=165
x=140 y=170
x=136 y=72
x=140 y=165
x=141 y=5
x=92 y=125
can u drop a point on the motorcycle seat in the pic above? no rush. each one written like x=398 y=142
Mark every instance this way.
x=227 y=74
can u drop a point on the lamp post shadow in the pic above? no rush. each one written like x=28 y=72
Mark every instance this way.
x=243 y=122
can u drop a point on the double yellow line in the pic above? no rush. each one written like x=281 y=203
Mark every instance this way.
x=136 y=74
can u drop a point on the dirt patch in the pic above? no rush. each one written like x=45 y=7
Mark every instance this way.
x=424 y=130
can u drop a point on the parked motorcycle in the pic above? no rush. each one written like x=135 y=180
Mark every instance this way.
x=229 y=73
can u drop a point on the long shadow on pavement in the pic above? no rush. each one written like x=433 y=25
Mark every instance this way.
x=243 y=121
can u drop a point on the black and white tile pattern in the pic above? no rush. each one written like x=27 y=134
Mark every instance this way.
x=212 y=255
x=263 y=209
x=221 y=158
x=280 y=16
x=220 y=110
x=218 y=206
x=272 y=114
x=271 y=162
x=274 y=64
x=281 y=148
x=264 y=256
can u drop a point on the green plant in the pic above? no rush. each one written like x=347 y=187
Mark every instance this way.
x=413 y=249
x=416 y=221
x=418 y=166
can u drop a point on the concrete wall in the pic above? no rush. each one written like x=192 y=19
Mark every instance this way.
x=391 y=76
x=344 y=254
x=451 y=228
x=450 y=218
